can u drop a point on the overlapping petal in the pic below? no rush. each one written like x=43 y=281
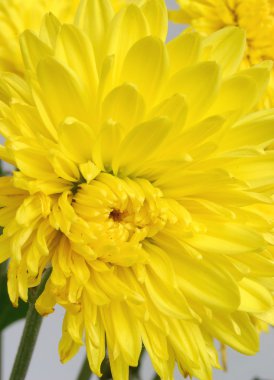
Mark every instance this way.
x=146 y=182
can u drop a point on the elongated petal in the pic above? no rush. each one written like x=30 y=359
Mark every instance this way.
x=147 y=137
x=150 y=57
x=254 y=297
x=72 y=44
x=58 y=82
x=72 y=131
x=226 y=47
x=124 y=105
x=33 y=50
x=199 y=83
x=93 y=17
x=184 y=51
x=156 y=15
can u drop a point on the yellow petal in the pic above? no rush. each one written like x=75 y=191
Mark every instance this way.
x=49 y=29
x=226 y=47
x=254 y=297
x=34 y=163
x=74 y=49
x=155 y=13
x=46 y=302
x=184 y=51
x=149 y=55
x=194 y=349
x=255 y=170
x=124 y=105
x=259 y=265
x=244 y=338
x=198 y=134
x=75 y=327
x=63 y=94
x=107 y=144
x=127 y=27
x=242 y=91
x=175 y=109
x=16 y=87
x=160 y=263
x=229 y=239
x=169 y=301
x=89 y=171
x=119 y=367
x=65 y=168
x=96 y=295
x=67 y=348
x=33 y=50
x=32 y=208
x=139 y=144
x=199 y=83
x=219 y=290
x=95 y=353
x=128 y=339
x=154 y=340
x=72 y=131
x=254 y=129
x=80 y=268
x=93 y=17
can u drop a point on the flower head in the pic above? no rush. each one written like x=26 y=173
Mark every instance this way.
x=18 y=15
x=256 y=18
x=145 y=182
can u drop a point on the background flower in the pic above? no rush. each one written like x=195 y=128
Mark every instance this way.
x=123 y=144
x=256 y=18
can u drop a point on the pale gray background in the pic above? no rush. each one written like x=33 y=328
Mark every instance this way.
x=45 y=363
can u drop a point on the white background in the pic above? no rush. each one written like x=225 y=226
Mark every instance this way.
x=45 y=363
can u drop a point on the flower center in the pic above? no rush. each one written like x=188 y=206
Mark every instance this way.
x=117 y=215
x=116 y=212
x=259 y=43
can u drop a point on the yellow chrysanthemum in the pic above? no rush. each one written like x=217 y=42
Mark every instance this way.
x=145 y=182
x=18 y=15
x=255 y=17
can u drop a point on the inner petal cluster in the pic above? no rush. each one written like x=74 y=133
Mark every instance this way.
x=120 y=213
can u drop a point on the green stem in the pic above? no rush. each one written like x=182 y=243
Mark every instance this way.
x=1 y=356
x=156 y=377
x=85 y=372
x=134 y=376
x=3 y=269
x=30 y=333
x=105 y=369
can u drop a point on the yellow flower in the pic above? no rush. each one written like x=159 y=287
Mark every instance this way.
x=255 y=17
x=18 y=15
x=146 y=182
